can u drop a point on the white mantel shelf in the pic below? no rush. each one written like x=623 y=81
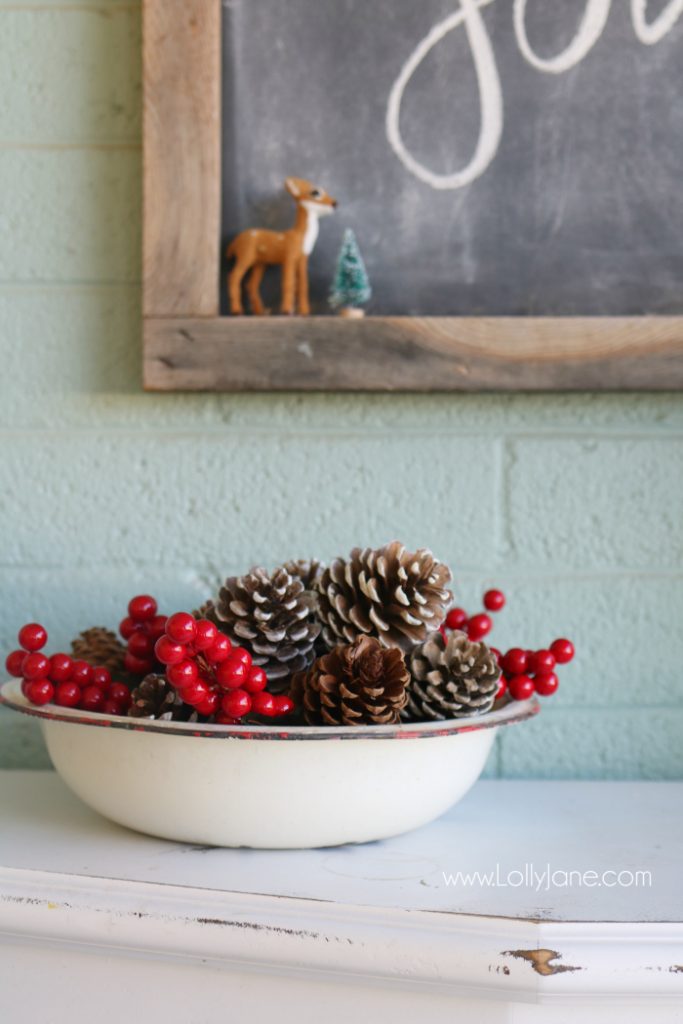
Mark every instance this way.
x=95 y=919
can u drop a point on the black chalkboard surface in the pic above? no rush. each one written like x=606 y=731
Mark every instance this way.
x=494 y=157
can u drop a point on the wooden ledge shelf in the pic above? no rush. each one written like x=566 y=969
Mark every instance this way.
x=413 y=354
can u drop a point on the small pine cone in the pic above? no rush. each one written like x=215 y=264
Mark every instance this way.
x=395 y=595
x=154 y=697
x=99 y=646
x=206 y=611
x=361 y=683
x=451 y=679
x=272 y=615
x=307 y=570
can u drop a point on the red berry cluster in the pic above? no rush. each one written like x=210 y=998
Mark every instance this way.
x=61 y=679
x=476 y=626
x=527 y=672
x=524 y=672
x=211 y=675
x=141 y=629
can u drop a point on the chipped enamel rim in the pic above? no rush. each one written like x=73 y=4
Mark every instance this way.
x=516 y=711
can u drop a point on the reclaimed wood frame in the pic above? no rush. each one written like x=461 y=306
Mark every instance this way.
x=189 y=346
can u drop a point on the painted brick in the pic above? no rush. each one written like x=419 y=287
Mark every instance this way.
x=70 y=75
x=70 y=215
x=601 y=744
x=207 y=500
x=591 y=503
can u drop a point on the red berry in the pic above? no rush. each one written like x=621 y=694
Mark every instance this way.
x=494 y=600
x=36 y=666
x=101 y=676
x=563 y=650
x=119 y=692
x=220 y=649
x=137 y=666
x=67 y=694
x=32 y=636
x=111 y=707
x=194 y=692
x=236 y=703
x=142 y=608
x=128 y=626
x=157 y=626
x=541 y=661
x=181 y=628
x=502 y=687
x=92 y=698
x=232 y=673
x=496 y=654
x=182 y=674
x=61 y=666
x=223 y=719
x=283 y=705
x=256 y=681
x=13 y=663
x=82 y=673
x=546 y=683
x=205 y=634
x=456 y=618
x=479 y=626
x=515 y=661
x=210 y=704
x=25 y=683
x=141 y=645
x=168 y=652
x=243 y=655
x=263 y=704
x=521 y=687
x=40 y=691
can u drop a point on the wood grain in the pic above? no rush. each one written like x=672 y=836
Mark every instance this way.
x=182 y=131
x=414 y=354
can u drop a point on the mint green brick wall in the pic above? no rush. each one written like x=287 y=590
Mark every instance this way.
x=571 y=503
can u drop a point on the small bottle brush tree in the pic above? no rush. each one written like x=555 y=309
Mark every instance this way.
x=350 y=288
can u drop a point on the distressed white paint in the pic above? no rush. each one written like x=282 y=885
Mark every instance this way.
x=589 y=31
x=264 y=934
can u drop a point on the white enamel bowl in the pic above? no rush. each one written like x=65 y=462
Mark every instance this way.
x=266 y=786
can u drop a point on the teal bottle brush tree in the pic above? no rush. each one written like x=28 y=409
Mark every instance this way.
x=351 y=287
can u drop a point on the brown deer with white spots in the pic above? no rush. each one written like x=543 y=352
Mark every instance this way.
x=256 y=248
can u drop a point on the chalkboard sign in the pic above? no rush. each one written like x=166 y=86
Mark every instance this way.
x=511 y=170
x=493 y=157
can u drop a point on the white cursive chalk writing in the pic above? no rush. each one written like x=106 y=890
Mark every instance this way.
x=468 y=15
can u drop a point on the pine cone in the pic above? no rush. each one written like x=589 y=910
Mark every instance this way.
x=361 y=683
x=393 y=594
x=307 y=570
x=154 y=697
x=102 y=648
x=451 y=680
x=272 y=615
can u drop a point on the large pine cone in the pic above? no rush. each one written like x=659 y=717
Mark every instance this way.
x=361 y=683
x=451 y=679
x=393 y=594
x=272 y=615
x=154 y=697
x=102 y=648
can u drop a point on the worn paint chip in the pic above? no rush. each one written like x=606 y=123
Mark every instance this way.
x=540 y=960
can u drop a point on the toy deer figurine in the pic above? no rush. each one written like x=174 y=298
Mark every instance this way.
x=256 y=248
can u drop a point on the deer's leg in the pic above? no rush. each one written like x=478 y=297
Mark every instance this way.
x=253 y=292
x=302 y=271
x=288 y=283
x=235 y=286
